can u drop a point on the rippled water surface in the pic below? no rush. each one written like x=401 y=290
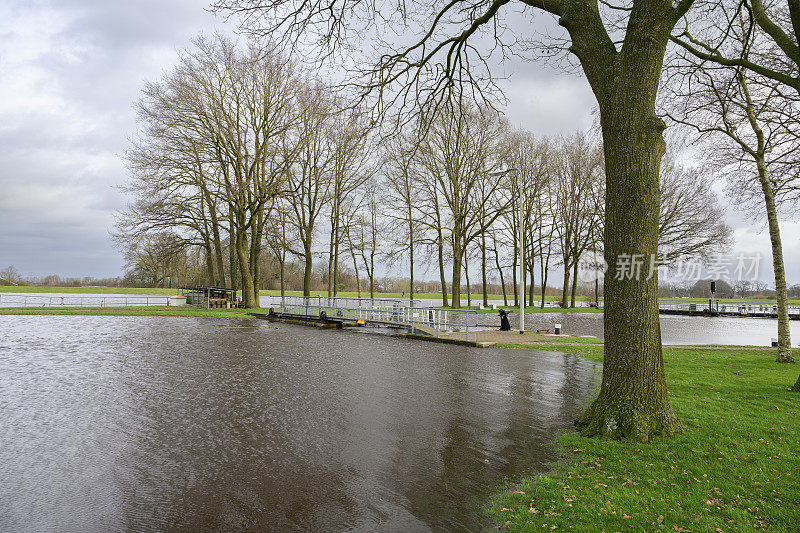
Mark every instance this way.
x=675 y=329
x=138 y=423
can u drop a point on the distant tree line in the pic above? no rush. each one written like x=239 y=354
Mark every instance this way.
x=247 y=168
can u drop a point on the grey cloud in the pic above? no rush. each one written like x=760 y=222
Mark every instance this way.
x=72 y=70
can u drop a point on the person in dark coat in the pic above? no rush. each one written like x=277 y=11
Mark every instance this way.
x=504 y=324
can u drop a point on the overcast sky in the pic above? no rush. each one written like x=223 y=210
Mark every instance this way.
x=70 y=73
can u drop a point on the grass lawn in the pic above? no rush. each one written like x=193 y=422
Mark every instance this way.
x=736 y=467
x=126 y=311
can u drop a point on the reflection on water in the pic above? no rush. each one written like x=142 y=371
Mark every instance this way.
x=675 y=329
x=137 y=423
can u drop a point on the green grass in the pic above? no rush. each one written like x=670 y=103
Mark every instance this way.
x=562 y=344
x=126 y=311
x=734 y=469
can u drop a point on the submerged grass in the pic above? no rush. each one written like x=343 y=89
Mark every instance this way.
x=734 y=469
x=126 y=311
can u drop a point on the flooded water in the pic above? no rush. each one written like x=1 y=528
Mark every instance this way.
x=139 y=423
x=675 y=329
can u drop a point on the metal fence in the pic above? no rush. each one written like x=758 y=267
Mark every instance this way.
x=386 y=312
x=19 y=300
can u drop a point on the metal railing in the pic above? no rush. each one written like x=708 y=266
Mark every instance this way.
x=435 y=321
x=19 y=300
x=340 y=302
x=725 y=307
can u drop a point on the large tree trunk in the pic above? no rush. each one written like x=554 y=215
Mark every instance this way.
x=544 y=286
x=209 y=259
x=355 y=267
x=282 y=260
x=220 y=281
x=233 y=267
x=784 y=338
x=307 y=270
x=330 y=267
x=565 y=290
x=502 y=278
x=574 y=282
x=411 y=270
x=633 y=399
x=469 y=289
x=248 y=289
x=483 y=270
x=455 y=296
x=441 y=274
x=532 y=273
x=514 y=282
x=255 y=255
x=544 y=274
x=372 y=275
x=212 y=211
x=336 y=264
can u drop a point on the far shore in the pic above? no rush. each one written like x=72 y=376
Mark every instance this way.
x=475 y=298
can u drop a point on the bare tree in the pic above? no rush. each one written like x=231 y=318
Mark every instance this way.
x=279 y=240
x=368 y=229
x=350 y=168
x=309 y=177
x=577 y=184
x=214 y=142
x=153 y=256
x=621 y=50
x=528 y=183
x=456 y=153
x=691 y=223
x=403 y=196
x=748 y=36
x=10 y=276
x=754 y=131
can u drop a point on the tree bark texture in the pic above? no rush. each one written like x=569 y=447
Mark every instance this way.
x=633 y=401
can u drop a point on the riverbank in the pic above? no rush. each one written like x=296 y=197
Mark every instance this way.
x=46 y=289
x=131 y=310
x=734 y=468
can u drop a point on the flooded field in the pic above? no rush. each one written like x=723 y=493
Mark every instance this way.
x=685 y=330
x=137 y=423
x=675 y=329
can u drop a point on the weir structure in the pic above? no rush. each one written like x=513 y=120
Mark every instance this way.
x=394 y=313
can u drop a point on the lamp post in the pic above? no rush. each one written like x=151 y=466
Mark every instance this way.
x=521 y=240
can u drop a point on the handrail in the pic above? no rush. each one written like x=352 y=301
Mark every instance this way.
x=432 y=320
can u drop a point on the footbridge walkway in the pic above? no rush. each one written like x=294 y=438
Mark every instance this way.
x=377 y=312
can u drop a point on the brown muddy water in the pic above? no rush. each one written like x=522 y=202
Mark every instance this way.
x=144 y=423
